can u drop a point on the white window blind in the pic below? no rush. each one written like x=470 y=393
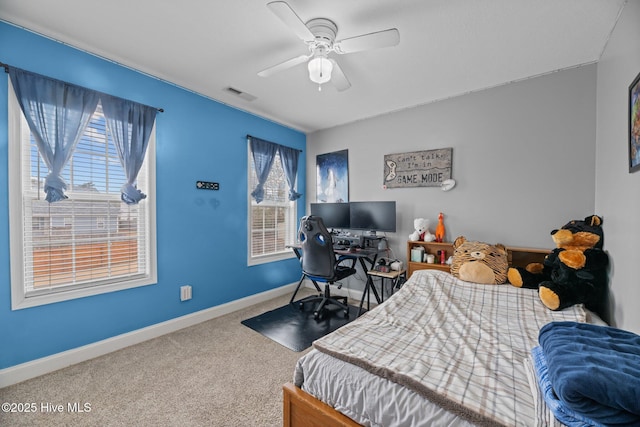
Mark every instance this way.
x=272 y=222
x=91 y=242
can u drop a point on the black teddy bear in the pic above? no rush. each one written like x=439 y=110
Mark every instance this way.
x=573 y=273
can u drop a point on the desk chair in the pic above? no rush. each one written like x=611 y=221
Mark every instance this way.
x=319 y=263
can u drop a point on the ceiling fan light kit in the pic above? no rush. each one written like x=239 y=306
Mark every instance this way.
x=320 y=34
x=320 y=69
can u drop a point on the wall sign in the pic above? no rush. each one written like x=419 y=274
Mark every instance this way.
x=206 y=185
x=417 y=169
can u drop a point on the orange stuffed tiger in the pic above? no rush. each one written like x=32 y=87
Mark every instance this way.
x=479 y=262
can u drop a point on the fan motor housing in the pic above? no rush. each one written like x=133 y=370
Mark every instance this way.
x=324 y=30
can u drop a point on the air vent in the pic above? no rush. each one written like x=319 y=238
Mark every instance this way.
x=241 y=94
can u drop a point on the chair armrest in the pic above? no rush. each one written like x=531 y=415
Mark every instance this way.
x=351 y=258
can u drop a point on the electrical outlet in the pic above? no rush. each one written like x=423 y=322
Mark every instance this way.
x=185 y=293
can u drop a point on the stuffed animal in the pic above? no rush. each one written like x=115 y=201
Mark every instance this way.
x=575 y=272
x=421 y=231
x=479 y=262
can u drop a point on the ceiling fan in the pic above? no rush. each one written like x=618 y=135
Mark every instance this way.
x=320 y=36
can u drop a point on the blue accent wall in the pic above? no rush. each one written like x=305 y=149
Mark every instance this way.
x=201 y=234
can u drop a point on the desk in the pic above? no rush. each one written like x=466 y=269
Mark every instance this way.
x=364 y=256
x=369 y=255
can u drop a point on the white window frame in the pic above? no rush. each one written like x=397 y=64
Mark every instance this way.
x=290 y=220
x=18 y=131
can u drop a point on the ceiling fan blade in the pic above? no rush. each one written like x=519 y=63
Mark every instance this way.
x=284 y=65
x=338 y=78
x=385 y=38
x=283 y=11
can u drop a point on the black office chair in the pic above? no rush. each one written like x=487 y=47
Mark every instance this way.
x=319 y=264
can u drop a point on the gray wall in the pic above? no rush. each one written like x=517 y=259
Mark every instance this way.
x=523 y=159
x=618 y=191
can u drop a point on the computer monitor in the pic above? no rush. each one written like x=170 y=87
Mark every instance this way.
x=373 y=216
x=334 y=215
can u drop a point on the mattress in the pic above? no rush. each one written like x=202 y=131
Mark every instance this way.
x=367 y=399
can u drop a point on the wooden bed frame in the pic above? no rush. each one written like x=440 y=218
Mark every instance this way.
x=300 y=409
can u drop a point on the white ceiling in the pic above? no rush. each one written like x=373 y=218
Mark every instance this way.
x=447 y=47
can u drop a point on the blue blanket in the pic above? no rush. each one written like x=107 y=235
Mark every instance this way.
x=594 y=370
x=562 y=412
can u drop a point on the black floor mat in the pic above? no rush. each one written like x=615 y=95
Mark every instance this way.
x=296 y=329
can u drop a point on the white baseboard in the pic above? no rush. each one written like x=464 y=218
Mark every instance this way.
x=35 y=368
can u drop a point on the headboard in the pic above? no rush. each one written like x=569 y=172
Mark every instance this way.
x=520 y=257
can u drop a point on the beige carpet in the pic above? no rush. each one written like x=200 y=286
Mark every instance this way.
x=217 y=373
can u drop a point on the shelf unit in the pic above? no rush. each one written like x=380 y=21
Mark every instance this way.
x=429 y=248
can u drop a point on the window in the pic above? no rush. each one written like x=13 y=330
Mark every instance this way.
x=88 y=244
x=272 y=222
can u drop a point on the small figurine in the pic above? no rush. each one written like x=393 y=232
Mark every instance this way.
x=440 y=228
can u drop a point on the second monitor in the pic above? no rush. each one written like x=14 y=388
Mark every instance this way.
x=373 y=216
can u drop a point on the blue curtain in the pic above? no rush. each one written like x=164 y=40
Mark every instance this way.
x=130 y=125
x=289 y=157
x=57 y=114
x=263 y=153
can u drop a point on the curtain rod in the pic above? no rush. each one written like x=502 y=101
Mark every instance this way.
x=6 y=70
x=251 y=136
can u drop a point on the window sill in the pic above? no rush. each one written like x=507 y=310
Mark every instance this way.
x=19 y=302
x=270 y=258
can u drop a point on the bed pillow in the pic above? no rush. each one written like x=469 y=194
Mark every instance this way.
x=479 y=262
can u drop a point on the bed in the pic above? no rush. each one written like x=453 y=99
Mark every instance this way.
x=440 y=351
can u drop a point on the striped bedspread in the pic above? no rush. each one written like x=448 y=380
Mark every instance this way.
x=459 y=344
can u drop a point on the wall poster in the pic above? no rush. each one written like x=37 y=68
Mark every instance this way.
x=634 y=125
x=332 y=180
x=418 y=168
